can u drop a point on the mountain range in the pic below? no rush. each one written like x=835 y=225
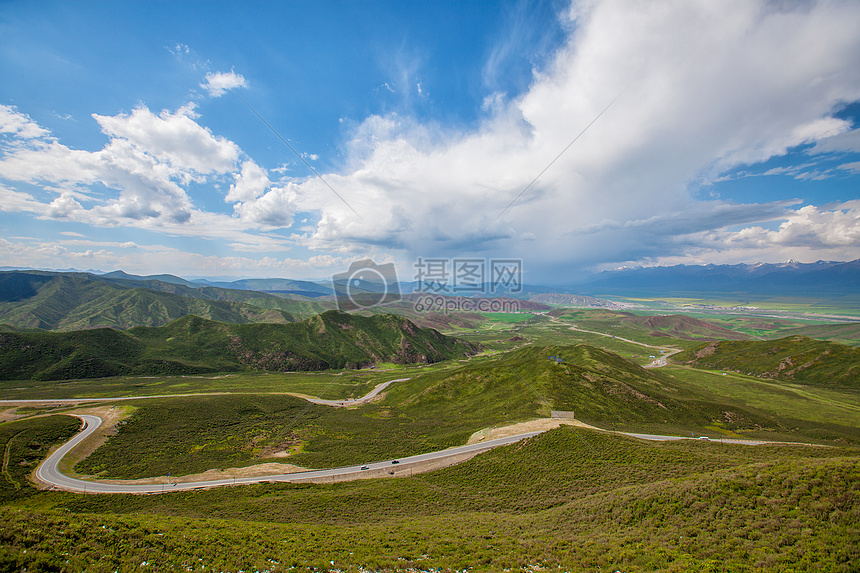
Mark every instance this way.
x=822 y=277
x=48 y=300
x=192 y=345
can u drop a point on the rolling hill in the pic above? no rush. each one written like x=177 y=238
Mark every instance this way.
x=684 y=327
x=194 y=345
x=793 y=358
x=671 y=325
x=74 y=301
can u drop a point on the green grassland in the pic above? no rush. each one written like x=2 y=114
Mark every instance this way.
x=329 y=385
x=813 y=406
x=843 y=333
x=646 y=328
x=845 y=304
x=442 y=407
x=23 y=445
x=540 y=330
x=794 y=358
x=74 y=301
x=568 y=500
x=192 y=345
x=508 y=316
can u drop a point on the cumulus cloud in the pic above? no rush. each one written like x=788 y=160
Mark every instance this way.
x=809 y=233
x=704 y=88
x=276 y=208
x=219 y=83
x=149 y=159
x=251 y=182
x=140 y=179
x=173 y=138
x=699 y=89
x=18 y=124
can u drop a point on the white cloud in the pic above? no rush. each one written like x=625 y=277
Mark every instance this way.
x=808 y=234
x=19 y=124
x=249 y=184
x=16 y=201
x=706 y=87
x=854 y=166
x=149 y=159
x=145 y=258
x=173 y=138
x=63 y=207
x=273 y=209
x=846 y=141
x=218 y=83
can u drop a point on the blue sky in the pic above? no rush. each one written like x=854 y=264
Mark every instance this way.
x=131 y=138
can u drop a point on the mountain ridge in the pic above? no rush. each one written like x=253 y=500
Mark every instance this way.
x=193 y=345
x=760 y=278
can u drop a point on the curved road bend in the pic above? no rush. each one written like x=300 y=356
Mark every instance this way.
x=658 y=362
x=48 y=472
x=346 y=402
x=349 y=402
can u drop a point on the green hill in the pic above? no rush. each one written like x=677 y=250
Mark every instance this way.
x=568 y=500
x=74 y=301
x=845 y=333
x=195 y=345
x=656 y=326
x=684 y=327
x=599 y=386
x=794 y=358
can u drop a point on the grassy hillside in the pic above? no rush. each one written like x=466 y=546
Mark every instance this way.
x=628 y=324
x=73 y=301
x=605 y=389
x=843 y=333
x=794 y=358
x=195 y=345
x=432 y=411
x=568 y=500
x=24 y=444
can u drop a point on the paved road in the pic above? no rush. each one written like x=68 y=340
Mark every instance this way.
x=345 y=402
x=658 y=361
x=49 y=471
x=53 y=401
x=366 y=398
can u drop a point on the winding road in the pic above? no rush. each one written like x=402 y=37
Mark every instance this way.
x=658 y=362
x=49 y=472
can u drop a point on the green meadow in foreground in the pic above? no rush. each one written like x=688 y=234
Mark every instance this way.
x=567 y=500
x=442 y=408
